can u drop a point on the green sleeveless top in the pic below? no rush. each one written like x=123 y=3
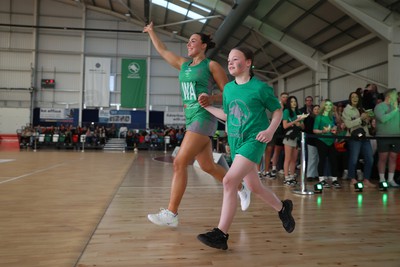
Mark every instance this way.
x=195 y=80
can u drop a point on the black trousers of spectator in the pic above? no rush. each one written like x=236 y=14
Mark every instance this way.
x=327 y=151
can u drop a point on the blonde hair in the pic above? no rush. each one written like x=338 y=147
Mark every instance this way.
x=322 y=108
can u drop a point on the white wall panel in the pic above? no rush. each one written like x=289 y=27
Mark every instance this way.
x=15 y=61
x=341 y=88
x=57 y=9
x=24 y=19
x=21 y=117
x=135 y=48
x=101 y=46
x=60 y=43
x=4 y=18
x=111 y=24
x=361 y=58
x=159 y=67
x=302 y=80
x=66 y=97
x=124 y=25
x=172 y=46
x=22 y=40
x=59 y=63
x=20 y=6
x=21 y=95
x=15 y=79
x=55 y=21
x=164 y=85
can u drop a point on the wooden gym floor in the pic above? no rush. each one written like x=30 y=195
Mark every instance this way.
x=86 y=209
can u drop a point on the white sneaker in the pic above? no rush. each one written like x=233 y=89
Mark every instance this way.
x=392 y=183
x=244 y=196
x=345 y=173
x=360 y=175
x=164 y=218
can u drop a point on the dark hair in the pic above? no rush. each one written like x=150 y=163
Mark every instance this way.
x=248 y=54
x=288 y=106
x=206 y=39
x=359 y=104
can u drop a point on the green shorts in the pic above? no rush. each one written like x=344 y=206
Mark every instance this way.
x=252 y=150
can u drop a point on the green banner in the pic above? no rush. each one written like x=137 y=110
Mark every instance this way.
x=133 y=83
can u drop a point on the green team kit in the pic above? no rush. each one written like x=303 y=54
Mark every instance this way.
x=195 y=80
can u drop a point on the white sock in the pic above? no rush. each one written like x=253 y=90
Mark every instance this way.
x=321 y=178
x=382 y=177
x=390 y=177
x=334 y=179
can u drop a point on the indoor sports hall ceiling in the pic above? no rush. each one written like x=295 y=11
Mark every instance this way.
x=278 y=31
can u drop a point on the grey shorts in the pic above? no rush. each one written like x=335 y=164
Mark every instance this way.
x=290 y=142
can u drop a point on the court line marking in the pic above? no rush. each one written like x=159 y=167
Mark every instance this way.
x=6 y=160
x=31 y=173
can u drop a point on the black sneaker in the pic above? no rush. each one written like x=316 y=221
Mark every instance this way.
x=325 y=184
x=215 y=239
x=336 y=184
x=291 y=182
x=286 y=216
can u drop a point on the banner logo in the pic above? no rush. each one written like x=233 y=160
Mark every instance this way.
x=134 y=69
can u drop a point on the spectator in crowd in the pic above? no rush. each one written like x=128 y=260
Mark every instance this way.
x=388 y=124
x=370 y=97
x=337 y=113
x=277 y=159
x=308 y=106
x=292 y=124
x=324 y=125
x=312 y=151
x=355 y=117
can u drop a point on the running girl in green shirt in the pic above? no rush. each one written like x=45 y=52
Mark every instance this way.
x=245 y=101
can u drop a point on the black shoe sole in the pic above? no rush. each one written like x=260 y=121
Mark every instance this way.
x=205 y=241
x=292 y=223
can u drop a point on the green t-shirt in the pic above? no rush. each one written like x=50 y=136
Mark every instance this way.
x=387 y=120
x=320 y=123
x=245 y=106
x=286 y=116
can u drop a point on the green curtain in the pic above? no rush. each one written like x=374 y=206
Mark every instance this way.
x=133 y=83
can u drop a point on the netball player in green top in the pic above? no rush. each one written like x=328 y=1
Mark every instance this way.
x=245 y=101
x=197 y=75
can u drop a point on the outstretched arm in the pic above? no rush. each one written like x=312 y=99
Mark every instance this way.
x=217 y=112
x=172 y=59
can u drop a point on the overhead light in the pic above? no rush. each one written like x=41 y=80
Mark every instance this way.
x=318 y=188
x=359 y=186
x=383 y=186
x=127 y=14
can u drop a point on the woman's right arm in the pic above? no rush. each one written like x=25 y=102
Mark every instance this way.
x=173 y=59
